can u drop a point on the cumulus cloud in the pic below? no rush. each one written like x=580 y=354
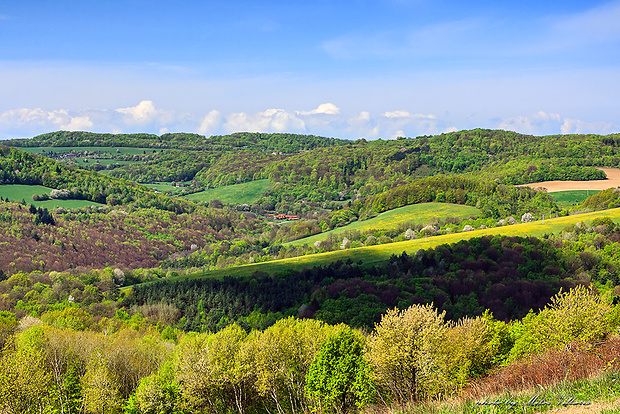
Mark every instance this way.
x=27 y=119
x=144 y=117
x=543 y=123
x=271 y=120
x=326 y=120
x=210 y=123
x=325 y=108
x=143 y=112
x=534 y=123
x=79 y=123
x=575 y=126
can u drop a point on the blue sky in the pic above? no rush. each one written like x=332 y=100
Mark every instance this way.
x=348 y=69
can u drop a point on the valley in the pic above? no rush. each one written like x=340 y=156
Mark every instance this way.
x=251 y=245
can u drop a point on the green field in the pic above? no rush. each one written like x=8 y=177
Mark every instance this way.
x=19 y=192
x=416 y=213
x=571 y=197
x=372 y=255
x=245 y=193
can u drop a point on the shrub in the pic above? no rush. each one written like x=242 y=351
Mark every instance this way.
x=577 y=315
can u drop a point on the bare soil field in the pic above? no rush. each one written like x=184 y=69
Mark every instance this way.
x=613 y=180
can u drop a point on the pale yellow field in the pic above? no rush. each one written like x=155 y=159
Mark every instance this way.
x=613 y=180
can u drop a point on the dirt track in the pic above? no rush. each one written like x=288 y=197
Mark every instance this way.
x=613 y=180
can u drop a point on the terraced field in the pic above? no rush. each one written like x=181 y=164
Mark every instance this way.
x=245 y=193
x=417 y=214
x=372 y=255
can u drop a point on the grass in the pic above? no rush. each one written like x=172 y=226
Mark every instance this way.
x=416 y=214
x=571 y=197
x=598 y=394
x=372 y=255
x=19 y=192
x=245 y=193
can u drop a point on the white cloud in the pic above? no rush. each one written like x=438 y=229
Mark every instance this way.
x=142 y=113
x=543 y=123
x=538 y=123
x=25 y=118
x=407 y=114
x=210 y=123
x=80 y=123
x=271 y=120
x=575 y=126
x=325 y=108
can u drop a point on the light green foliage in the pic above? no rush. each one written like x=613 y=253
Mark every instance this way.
x=339 y=377
x=158 y=393
x=212 y=371
x=8 y=324
x=577 y=315
x=100 y=389
x=24 y=383
x=281 y=357
x=405 y=352
x=473 y=346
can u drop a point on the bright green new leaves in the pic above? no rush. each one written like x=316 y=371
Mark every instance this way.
x=24 y=383
x=577 y=315
x=406 y=353
x=339 y=377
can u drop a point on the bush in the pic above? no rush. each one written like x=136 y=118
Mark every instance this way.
x=577 y=315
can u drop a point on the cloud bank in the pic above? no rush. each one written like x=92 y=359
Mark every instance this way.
x=326 y=119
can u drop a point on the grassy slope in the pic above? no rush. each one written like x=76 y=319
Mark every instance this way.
x=571 y=197
x=372 y=255
x=19 y=192
x=415 y=213
x=245 y=193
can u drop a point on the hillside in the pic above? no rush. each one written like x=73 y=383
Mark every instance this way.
x=173 y=305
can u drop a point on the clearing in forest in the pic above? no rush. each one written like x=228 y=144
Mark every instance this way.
x=21 y=192
x=245 y=193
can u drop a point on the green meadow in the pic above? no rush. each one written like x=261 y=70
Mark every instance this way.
x=571 y=197
x=245 y=193
x=416 y=214
x=20 y=192
x=372 y=255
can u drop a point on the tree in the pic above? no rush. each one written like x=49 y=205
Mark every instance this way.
x=281 y=357
x=339 y=377
x=8 y=324
x=100 y=389
x=24 y=382
x=405 y=352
